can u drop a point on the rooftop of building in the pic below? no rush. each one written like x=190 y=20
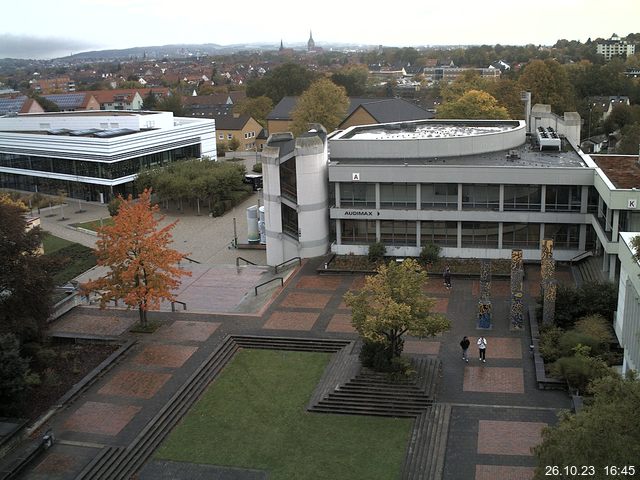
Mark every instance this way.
x=525 y=155
x=423 y=130
x=622 y=170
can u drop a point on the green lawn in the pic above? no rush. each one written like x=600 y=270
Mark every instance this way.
x=254 y=416
x=94 y=225
x=70 y=259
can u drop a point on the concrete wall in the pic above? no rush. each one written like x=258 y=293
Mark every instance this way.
x=568 y=125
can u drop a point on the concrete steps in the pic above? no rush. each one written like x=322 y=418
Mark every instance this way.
x=426 y=451
x=590 y=270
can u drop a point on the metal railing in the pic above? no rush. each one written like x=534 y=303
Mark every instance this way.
x=255 y=289
x=244 y=260
x=287 y=261
x=581 y=256
x=173 y=305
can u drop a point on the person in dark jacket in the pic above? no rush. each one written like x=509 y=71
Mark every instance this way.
x=464 y=344
x=447 y=277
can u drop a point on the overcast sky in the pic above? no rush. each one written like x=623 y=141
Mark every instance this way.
x=47 y=29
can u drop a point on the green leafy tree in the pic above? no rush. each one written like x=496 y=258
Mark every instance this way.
x=606 y=432
x=171 y=103
x=392 y=304
x=548 y=83
x=46 y=104
x=621 y=115
x=353 y=79
x=630 y=141
x=258 y=108
x=150 y=101
x=288 y=79
x=14 y=372
x=25 y=283
x=324 y=103
x=234 y=144
x=473 y=104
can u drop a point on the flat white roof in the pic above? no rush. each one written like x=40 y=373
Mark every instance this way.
x=436 y=130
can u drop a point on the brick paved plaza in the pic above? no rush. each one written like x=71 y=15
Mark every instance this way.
x=497 y=413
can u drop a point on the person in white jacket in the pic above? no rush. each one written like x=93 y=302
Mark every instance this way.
x=482 y=348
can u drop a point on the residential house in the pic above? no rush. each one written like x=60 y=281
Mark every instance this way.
x=71 y=102
x=19 y=104
x=361 y=111
x=241 y=127
x=615 y=47
x=53 y=85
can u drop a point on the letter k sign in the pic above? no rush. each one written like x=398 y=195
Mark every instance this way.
x=631 y=203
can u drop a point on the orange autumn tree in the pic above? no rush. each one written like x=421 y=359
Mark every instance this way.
x=143 y=269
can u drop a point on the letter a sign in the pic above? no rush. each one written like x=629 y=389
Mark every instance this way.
x=355 y=177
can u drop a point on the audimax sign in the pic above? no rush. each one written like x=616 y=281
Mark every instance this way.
x=361 y=213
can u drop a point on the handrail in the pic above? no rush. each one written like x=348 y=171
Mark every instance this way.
x=244 y=259
x=173 y=305
x=269 y=281
x=581 y=256
x=287 y=261
x=191 y=260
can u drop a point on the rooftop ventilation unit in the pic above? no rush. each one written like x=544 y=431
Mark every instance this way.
x=547 y=137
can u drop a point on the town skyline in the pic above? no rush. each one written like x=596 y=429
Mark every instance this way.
x=102 y=25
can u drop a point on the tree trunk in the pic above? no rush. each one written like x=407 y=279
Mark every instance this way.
x=198 y=203
x=143 y=316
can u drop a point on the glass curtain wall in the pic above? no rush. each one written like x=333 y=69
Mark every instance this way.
x=522 y=197
x=480 y=234
x=439 y=196
x=480 y=197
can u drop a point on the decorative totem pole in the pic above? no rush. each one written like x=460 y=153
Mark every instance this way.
x=484 y=304
x=548 y=285
x=517 y=277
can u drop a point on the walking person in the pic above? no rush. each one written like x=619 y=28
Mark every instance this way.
x=464 y=344
x=482 y=348
x=447 y=277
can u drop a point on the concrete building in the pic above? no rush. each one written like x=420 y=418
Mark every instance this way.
x=95 y=155
x=615 y=47
x=478 y=189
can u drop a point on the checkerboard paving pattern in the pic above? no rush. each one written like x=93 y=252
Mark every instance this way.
x=499 y=288
x=508 y=438
x=93 y=324
x=130 y=383
x=492 y=379
x=302 y=321
x=183 y=331
x=441 y=305
x=90 y=418
x=340 y=322
x=306 y=300
x=493 y=472
x=55 y=464
x=170 y=356
x=500 y=347
x=319 y=282
x=421 y=347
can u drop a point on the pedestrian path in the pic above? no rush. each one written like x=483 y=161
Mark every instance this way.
x=496 y=414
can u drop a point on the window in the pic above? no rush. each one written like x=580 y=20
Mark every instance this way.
x=563 y=198
x=361 y=232
x=480 y=234
x=563 y=235
x=221 y=136
x=229 y=136
x=522 y=197
x=362 y=195
x=439 y=196
x=444 y=234
x=289 y=221
x=398 y=232
x=398 y=195
x=288 y=181
x=481 y=197
x=521 y=235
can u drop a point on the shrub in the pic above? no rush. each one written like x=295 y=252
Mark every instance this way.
x=579 y=371
x=571 y=339
x=549 y=344
x=14 y=372
x=430 y=253
x=598 y=328
x=574 y=303
x=114 y=206
x=257 y=168
x=401 y=369
x=377 y=251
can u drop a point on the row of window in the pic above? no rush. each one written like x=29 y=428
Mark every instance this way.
x=247 y=135
x=86 y=168
x=474 y=196
x=473 y=234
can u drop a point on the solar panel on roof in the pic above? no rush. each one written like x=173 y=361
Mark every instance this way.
x=81 y=133
x=114 y=133
x=58 y=131
x=66 y=100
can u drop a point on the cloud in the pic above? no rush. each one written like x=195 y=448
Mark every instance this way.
x=30 y=46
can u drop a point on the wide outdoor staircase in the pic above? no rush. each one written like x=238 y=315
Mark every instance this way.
x=117 y=462
x=374 y=393
x=426 y=452
x=589 y=270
